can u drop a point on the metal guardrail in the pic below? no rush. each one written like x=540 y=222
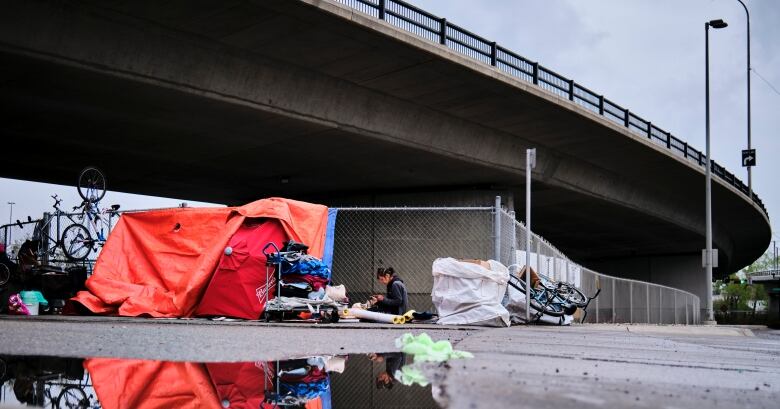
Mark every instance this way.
x=437 y=29
x=621 y=300
x=772 y=272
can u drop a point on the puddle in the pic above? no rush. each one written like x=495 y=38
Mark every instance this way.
x=346 y=381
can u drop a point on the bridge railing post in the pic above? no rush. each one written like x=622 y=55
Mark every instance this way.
x=493 y=53
x=571 y=90
x=382 y=8
x=443 y=31
x=626 y=118
x=536 y=73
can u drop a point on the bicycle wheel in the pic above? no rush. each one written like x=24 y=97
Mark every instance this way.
x=72 y=397
x=552 y=308
x=5 y=275
x=92 y=184
x=574 y=296
x=77 y=242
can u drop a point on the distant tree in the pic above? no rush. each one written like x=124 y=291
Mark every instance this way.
x=736 y=296
x=765 y=262
x=758 y=293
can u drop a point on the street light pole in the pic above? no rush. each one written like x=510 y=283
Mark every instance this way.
x=708 y=195
x=749 y=168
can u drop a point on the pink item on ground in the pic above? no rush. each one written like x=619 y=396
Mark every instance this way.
x=16 y=306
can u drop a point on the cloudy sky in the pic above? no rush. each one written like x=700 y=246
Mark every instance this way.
x=646 y=55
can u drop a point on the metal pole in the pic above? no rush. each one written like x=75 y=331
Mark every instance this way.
x=708 y=204
x=749 y=168
x=497 y=230
x=513 y=244
x=530 y=163
x=631 y=302
x=774 y=244
x=10 y=229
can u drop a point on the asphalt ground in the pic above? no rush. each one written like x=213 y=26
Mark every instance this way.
x=582 y=366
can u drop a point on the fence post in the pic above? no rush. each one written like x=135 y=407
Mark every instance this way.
x=669 y=140
x=660 y=304
x=675 y=307
x=601 y=105
x=598 y=285
x=538 y=255
x=493 y=52
x=45 y=245
x=649 y=130
x=381 y=9
x=513 y=244
x=631 y=302
x=443 y=31
x=626 y=120
x=685 y=150
x=647 y=298
x=613 y=300
x=497 y=230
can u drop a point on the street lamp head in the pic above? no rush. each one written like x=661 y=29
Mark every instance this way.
x=718 y=24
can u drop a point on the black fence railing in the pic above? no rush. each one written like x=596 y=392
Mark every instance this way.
x=439 y=30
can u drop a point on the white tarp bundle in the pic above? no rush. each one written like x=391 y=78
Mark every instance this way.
x=468 y=293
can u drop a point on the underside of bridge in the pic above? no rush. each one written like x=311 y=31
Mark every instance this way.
x=230 y=101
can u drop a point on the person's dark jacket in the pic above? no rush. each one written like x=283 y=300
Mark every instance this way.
x=397 y=299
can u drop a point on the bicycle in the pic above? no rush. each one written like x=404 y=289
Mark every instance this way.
x=49 y=234
x=553 y=298
x=91 y=232
x=87 y=229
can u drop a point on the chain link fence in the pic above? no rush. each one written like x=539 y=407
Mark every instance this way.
x=410 y=239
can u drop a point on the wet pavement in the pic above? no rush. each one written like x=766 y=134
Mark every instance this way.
x=329 y=381
x=598 y=366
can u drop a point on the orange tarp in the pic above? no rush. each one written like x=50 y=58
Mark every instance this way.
x=128 y=383
x=159 y=262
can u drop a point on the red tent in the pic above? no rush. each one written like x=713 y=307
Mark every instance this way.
x=159 y=263
x=238 y=286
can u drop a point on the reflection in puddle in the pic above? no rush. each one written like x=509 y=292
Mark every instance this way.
x=354 y=381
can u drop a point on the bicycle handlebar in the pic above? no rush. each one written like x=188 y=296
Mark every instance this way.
x=57 y=202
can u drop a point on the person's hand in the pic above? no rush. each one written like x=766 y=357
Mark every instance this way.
x=379 y=297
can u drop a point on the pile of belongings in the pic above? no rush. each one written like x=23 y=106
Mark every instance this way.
x=302 y=275
x=477 y=292
x=300 y=381
x=469 y=292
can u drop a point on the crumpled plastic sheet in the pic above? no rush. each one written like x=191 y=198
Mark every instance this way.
x=411 y=375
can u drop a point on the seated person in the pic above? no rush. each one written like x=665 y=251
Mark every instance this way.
x=393 y=363
x=396 y=301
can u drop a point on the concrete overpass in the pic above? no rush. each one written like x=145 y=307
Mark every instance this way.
x=229 y=101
